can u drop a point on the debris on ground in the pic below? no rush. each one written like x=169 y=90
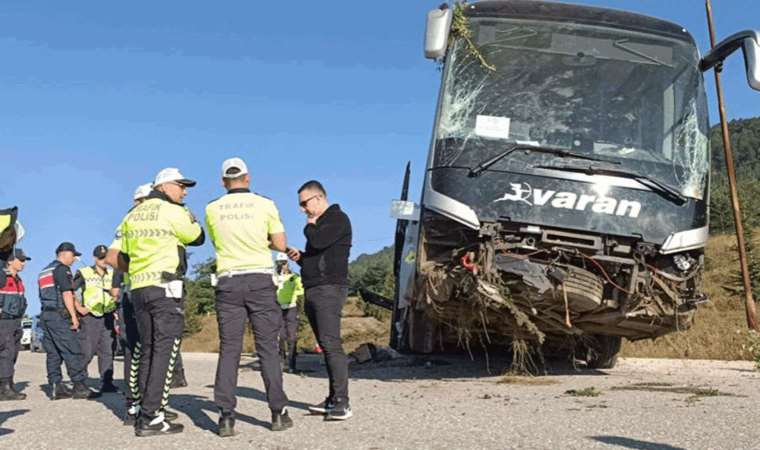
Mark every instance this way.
x=587 y=392
x=669 y=388
x=369 y=352
x=526 y=380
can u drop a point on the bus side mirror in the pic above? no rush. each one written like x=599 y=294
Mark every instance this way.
x=749 y=41
x=437 y=32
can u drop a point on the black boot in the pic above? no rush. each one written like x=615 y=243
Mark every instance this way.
x=61 y=391
x=281 y=421
x=155 y=426
x=7 y=393
x=130 y=420
x=227 y=424
x=13 y=388
x=82 y=392
x=179 y=380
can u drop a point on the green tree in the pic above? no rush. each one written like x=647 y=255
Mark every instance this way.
x=199 y=295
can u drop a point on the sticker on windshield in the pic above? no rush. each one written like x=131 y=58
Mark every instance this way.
x=492 y=127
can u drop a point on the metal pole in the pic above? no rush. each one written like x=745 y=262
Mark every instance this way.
x=749 y=302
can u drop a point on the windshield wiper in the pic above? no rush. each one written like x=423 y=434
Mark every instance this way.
x=664 y=190
x=562 y=153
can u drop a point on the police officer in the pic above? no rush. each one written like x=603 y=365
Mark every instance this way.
x=150 y=247
x=97 y=322
x=59 y=323
x=244 y=227
x=129 y=336
x=289 y=292
x=12 y=308
x=324 y=268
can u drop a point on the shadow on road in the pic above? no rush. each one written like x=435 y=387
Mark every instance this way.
x=633 y=443
x=201 y=410
x=255 y=394
x=5 y=415
x=439 y=367
x=114 y=402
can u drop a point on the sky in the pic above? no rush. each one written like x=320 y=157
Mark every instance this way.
x=96 y=97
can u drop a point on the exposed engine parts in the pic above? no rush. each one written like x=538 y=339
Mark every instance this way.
x=509 y=282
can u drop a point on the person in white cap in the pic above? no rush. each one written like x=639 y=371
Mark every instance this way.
x=150 y=247
x=289 y=293
x=129 y=336
x=141 y=193
x=244 y=228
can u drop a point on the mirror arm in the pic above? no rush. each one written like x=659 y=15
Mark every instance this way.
x=724 y=48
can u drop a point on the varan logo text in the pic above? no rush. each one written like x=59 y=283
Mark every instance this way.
x=524 y=193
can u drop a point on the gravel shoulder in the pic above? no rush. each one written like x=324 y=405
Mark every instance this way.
x=438 y=402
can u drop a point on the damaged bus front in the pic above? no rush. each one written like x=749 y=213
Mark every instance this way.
x=565 y=202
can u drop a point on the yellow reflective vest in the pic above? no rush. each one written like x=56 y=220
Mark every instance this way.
x=154 y=235
x=96 y=295
x=289 y=288
x=239 y=225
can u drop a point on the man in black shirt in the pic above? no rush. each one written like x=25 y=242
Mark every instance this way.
x=59 y=323
x=324 y=271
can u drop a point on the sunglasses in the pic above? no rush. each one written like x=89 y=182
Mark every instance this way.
x=306 y=202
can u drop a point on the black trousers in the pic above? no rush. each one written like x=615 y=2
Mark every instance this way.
x=10 y=344
x=252 y=296
x=324 y=307
x=289 y=331
x=160 y=323
x=129 y=339
x=96 y=336
x=61 y=344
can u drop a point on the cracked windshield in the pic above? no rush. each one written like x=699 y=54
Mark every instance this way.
x=627 y=97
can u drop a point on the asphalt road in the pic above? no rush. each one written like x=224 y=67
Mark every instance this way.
x=441 y=403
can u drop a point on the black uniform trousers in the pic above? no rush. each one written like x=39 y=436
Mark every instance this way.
x=10 y=344
x=289 y=332
x=252 y=296
x=324 y=306
x=160 y=323
x=129 y=338
x=96 y=336
x=61 y=344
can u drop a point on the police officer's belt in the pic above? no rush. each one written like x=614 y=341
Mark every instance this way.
x=232 y=273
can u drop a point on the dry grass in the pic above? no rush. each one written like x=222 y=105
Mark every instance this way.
x=720 y=330
x=587 y=392
x=527 y=381
x=207 y=340
x=356 y=328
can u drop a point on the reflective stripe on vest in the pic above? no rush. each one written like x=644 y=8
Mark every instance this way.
x=153 y=234
x=12 y=299
x=96 y=295
x=50 y=296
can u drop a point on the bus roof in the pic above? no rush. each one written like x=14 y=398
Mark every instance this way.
x=540 y=10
